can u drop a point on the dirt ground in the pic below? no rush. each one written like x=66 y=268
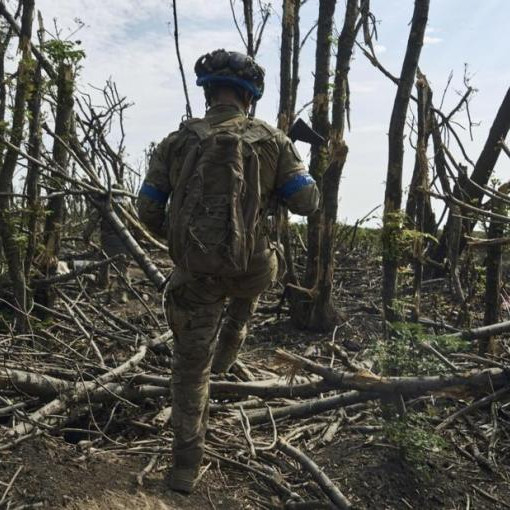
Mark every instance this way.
x=368 y=467
x=370 y=472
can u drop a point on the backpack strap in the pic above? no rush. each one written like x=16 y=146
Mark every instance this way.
x=199 y=127
x=256 y=132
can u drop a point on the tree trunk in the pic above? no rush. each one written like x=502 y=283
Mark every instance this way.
x=284 y=111
x=481 y=174
x=493 y=277
x=323 y=315
x=296 y=51
x=415 y=195
x=320 y=123
x=285 y=115
x=8 y=234
x=56 y=205
x=301 y=299
x=248 y=20
x=393 y=195
x=6 y=37
x=419 y=192
x=32 y=181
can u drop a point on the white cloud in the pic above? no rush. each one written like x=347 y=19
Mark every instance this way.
x=379 y=48
x=131 y=42
x=362 y=87
x=431 y=40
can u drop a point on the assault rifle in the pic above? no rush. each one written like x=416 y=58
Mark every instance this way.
x=301 y=131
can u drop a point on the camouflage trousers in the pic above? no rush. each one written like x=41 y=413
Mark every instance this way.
x=194 y=311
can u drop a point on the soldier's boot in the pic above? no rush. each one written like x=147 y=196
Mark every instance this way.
x=184 y=480
x=231 y=338
x=190 y=411
x=187 y=453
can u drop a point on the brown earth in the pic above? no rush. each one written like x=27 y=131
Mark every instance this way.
x=366 y=465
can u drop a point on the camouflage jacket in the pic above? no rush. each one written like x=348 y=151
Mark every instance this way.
x=282 y=173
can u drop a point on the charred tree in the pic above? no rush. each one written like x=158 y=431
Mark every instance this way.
x=11 y=247
x=288 y=58
x=248 y=21
x=418 y=202
x=493 y=267
x=286 y=54
x=34 y=151
x=301 y=299
x=312 y=306
x=4 y=44
x=419 y=190
x=480 y=176
x=254 y=31
x=56 y=204
x=320 y=123
x=296 y=51
x=393 y=195
x=323 y=315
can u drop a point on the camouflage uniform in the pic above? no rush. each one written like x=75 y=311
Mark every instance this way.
x=195 y=302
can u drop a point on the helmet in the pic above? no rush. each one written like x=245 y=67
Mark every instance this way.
x=231 y=67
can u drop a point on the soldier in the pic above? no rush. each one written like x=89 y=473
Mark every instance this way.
x=232 y=83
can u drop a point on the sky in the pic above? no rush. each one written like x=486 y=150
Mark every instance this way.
x=131 y=42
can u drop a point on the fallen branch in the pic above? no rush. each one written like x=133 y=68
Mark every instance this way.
x=266 y=389
x=310 y=407
x=44 y=387
x=69 y=398
x=89 y=268
x=317 y=474
x=407 y=386
x=483 y=332
x=473 y=407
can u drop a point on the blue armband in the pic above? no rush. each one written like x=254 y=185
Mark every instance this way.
x=297 y=183
x=154 y=193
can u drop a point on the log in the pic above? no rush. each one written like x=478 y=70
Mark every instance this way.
x=484 y=331
x=45 y=387
x=82 y=392
x=267 y=391
x=407 y=386
x=310 y=407
x=48 y=387
x=264 y=389
x=138 y=254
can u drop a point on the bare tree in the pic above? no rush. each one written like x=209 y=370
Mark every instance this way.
x=56 y=203
x=289 y=63
x=253 y=36
x=472 y=191
x=393 y=194
x=312 y=307
x=10 y=244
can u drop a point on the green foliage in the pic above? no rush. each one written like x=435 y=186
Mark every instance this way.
x=368 y=239
x=403 y=353
x=415 y=439
x=400 y=242
x=450 y=343
x=64 y=52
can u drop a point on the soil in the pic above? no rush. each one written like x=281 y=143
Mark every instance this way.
x=56 y=475
x=369 y=469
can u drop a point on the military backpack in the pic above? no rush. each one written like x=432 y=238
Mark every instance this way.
x=215 y=206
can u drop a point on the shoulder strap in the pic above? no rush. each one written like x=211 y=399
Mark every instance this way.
x=256 y=132
x=200 y=127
